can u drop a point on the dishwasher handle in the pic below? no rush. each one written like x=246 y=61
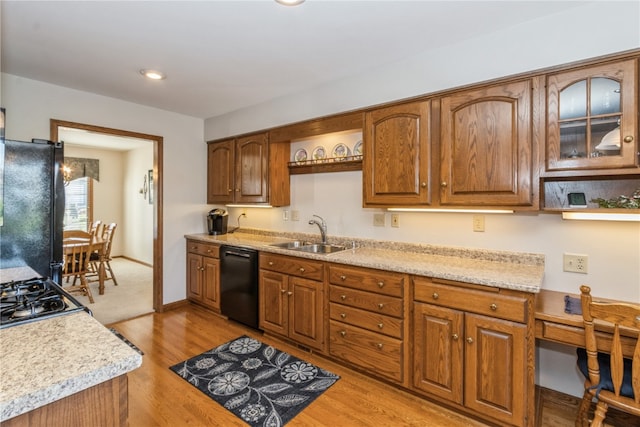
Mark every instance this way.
x=238 y=254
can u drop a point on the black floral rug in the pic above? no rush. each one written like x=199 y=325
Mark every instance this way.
x=257 y=382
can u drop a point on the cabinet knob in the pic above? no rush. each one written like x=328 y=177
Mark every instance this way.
x=423 y=185
x=270 y=262
x=229 y=190
x=380 y=284
x=380 y=325
x=208 y=251
x=628 y=138
x=380 y=306
x=343 y=277
x=343 y=333
x=343 y=315
x=493 y=306
x=455 y=337
x=470 y=340
x=282 y=291
x=289 y=293
x=443 y=184
x=193 y=248
x=343 y=297
x=301 y=269
x=379 y=345
x=435 y=295
x=237 y=190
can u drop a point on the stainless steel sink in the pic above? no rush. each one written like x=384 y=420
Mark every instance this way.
x=321 y=248
x=316 y=248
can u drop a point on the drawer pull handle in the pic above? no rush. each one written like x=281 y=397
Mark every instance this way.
x=470 y=340
x=301 y=269
x=455 y=337
x=343 y=297
x=343 y=315
x=270 y=262
x=380 y=306
x=435 y=295
x=343 y=333
x=380 y=284
x=493 y=306
x=379 y=345
x=380 y=325
x=343 y=277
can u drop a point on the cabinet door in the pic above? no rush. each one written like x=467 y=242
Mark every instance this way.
x=194 y=277
x=397 y=155
x=274 y=306
x=211 y=282
x=487 y=146
x=252 y=161
x=306 y=312
x=220 y=172
x=592 y=117
x=495 y=368
x=438 y=351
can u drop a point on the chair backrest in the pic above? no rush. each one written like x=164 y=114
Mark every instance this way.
x=96 y=228
x=620 y=316
x=108 y=233
x=77 y=247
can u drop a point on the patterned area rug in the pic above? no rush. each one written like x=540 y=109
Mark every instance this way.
x=257 y=382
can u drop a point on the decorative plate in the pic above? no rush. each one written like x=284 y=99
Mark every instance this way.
x=319 y=153
x=340 y=151
x=357 y=149
x=300 y=155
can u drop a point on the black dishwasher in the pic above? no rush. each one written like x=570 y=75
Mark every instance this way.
x=239 y=285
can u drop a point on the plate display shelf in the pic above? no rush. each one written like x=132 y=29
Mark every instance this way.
x=332 y=164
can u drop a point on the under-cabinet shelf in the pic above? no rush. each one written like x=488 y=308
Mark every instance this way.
x=324 y=166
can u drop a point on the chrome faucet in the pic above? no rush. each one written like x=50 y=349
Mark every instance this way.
x=322 y=226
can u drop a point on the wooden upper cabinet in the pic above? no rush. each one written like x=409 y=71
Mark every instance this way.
x=220 y=172
x=252 y=162
x=592 y=116
x=486 y=146
x=397 y=155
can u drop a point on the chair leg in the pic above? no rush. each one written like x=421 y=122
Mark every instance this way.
x=113 y=277
x=85 y=286
x=600 y=414
x=581 y=419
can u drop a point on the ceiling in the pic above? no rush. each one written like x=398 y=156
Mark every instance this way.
x=221 y=56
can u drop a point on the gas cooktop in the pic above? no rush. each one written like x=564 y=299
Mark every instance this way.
x=23 y=301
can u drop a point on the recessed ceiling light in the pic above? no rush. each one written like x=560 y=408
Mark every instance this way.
x=153 y=74
x=290 y=2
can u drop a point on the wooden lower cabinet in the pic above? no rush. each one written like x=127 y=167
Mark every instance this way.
x=203 y=274
x=105 y=405
x=465 y=353
x=290 y=305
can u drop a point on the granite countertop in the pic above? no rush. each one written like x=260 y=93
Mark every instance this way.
x=46 y=360
x=510 y=270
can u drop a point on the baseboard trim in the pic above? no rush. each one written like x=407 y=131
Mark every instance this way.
x=134 y=260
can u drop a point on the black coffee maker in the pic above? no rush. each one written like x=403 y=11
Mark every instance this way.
x=217 y=221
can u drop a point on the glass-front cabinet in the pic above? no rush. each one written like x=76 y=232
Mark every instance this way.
x=592 y=120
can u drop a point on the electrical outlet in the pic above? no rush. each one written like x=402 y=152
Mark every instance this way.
x=478 y=223
x=378 y=220
x=575 y=263
x=395 y=220
x=295 y=215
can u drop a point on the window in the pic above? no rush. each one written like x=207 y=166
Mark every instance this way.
x=78 y=204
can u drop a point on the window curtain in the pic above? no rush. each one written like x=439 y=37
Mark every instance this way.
x=80 y=168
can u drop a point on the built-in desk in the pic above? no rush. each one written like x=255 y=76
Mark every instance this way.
x=553 y=324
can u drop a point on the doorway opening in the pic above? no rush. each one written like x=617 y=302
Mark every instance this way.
x=57 y=126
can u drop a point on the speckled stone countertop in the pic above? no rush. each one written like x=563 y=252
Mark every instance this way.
x=49 y=359
x=510 y=270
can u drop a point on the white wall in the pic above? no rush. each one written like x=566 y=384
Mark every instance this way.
x=31 y=104
x=137 y=227
x=579 y=33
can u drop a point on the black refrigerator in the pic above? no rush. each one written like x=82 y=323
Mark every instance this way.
x=32 y=206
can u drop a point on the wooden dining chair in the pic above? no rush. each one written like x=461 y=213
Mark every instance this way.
x=77 y=248
x=96 y=228
x=108 y=234
x=611 y=379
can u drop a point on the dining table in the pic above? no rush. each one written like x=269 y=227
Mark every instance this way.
x=99 y=245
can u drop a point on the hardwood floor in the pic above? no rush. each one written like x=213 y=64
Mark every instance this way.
x=158 y=397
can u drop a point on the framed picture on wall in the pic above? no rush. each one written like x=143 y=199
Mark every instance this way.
x=150 y=186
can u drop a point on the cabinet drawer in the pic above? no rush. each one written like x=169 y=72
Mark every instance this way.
x=292 y=265
x=492 y=304
x=368 y=280
x=205 y=249
x=365 y=319
x=382 y=304
x=377 y=353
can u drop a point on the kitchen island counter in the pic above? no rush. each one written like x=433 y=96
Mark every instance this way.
x=501 y=269
x=49 y=359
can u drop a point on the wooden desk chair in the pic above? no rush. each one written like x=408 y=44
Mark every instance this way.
x=611 y=379
x=77 y=247
x=108 y=234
